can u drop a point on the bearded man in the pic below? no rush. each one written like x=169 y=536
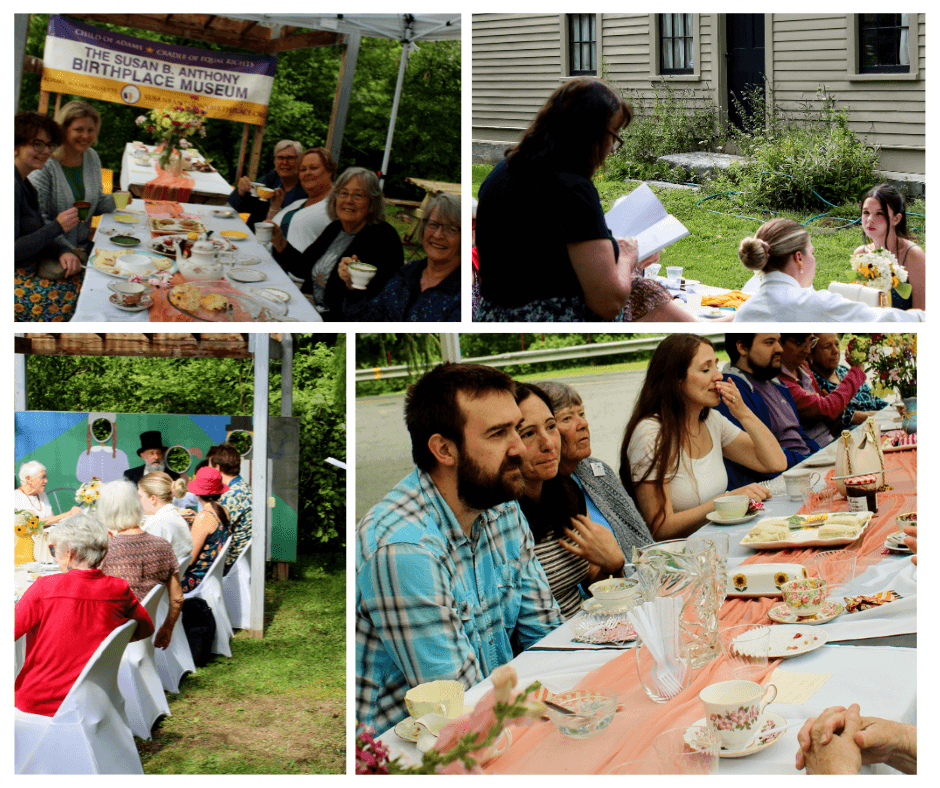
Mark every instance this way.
x=152 y=452
x=447 y=582
x=754 y=365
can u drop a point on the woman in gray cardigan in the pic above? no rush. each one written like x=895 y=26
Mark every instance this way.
x=74 y=172
x=607 y=501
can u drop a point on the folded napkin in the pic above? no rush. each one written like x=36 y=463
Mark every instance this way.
x=854 y=292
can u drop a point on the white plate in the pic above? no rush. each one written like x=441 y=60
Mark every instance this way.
x=713 y=316
x=246 y=275
x=221 y=244
x=713 y=516
x=784 y=643
x=819 y=459
x=807 y=537
x=271 y=294
x=119 y=274
x=782 y=614
x=595 y=608
x=145 y=303
x=761 y=741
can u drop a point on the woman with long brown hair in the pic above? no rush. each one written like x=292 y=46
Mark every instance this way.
x=673 y=450
x=545 y=250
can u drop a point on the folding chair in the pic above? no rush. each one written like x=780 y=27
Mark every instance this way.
x=176 y=660
x=89 y=733
x=144 y=700
x=236 y=587
x=210 y=590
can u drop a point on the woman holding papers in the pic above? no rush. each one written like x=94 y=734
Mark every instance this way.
x=673 y=450
x=546 y=253
x=783 y=251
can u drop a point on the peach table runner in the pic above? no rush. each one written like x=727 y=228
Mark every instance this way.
x=540 y=749
x=163 y=207
x=167 y=186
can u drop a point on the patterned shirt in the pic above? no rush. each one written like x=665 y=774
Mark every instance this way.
x=238 y=502
x=864 y=398
x=143 y=560
x=433 y=603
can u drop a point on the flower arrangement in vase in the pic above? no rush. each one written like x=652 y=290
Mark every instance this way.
x=171 y=126
x=880 y=269
x=25 y=524
x=87 y=494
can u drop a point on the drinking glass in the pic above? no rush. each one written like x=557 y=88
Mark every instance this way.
x=692 y=750
x=747 y=647
x=722 y=544
x=662 y=683
x=818 y=500
x=837 y=568
x=674 y=275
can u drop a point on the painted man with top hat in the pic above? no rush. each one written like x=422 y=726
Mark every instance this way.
x=152 y=452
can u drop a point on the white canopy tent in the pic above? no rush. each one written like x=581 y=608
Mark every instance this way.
x=407 y=28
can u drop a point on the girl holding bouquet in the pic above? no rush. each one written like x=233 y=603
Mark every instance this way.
x=884 y=222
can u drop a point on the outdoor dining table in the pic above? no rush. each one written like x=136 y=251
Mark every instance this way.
x=208 y=187
x=93 y=301
x=854 y=654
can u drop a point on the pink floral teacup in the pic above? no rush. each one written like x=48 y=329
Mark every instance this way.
x=736 y=710
x=806 y=596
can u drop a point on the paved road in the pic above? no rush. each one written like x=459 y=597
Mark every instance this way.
x=383 y=447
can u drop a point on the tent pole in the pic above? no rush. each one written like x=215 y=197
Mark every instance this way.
x=260 y=541
x=405 y=51
x=343 y=93
x=20 y=393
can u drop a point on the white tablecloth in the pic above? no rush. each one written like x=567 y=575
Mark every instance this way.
x=93 y=304
x=137 y=175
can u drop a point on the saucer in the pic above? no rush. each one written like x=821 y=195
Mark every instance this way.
x=782 y=615
x=408 y=730
x=713 y=516
x=761 y=741
x=246 y=275
x=145 y=303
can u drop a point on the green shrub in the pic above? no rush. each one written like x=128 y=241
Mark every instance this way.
x=793 y=153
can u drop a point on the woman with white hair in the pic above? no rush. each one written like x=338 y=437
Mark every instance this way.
x=156 y=492
x=31 y=494
x=142 y=559
x=425 y=290
x=358 y=232
x=65 y=617
x=284 y=179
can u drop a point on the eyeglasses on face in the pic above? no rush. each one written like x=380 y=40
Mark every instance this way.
x=450 y=230
x=808 y=342
x=355 y=196
x=285 y=159
x=40 y=145
x=618 y=141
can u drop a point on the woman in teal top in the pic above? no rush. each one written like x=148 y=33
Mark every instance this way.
x=74 y=172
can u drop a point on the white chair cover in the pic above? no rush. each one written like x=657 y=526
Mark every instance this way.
x=236 y=586
x=144 y=699
x=210 y=590
x=89 y=733
x=177 y=660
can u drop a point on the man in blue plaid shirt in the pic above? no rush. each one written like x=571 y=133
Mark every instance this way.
x=447 y=583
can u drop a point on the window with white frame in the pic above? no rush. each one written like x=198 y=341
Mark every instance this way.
x=675 y=44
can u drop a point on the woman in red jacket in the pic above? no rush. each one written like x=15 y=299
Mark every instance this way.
x=819 y=413
x=65 y=617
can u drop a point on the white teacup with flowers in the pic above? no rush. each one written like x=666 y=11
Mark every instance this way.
x=736 y=710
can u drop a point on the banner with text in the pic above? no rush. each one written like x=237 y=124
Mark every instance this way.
x=92 y=62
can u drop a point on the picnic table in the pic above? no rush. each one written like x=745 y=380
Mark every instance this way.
x=431 y=188
x=209 y=187
x=879 y=642
x=93 y=302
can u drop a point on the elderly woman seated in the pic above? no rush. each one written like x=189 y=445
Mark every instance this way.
x=426 y=290
x=31 y=496
x=358 y=232
x=65 y=617
x=142 y=559
x=283 y=179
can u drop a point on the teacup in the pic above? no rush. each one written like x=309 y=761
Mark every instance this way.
x=435 y=697
x=736 y=710
x=730 y=507
x=121 y=199
x=263 y=192
x=128 y=293
x=799 y=481
x=614 y=592
x=83 y=208
x=361 y=274
x=263 y=231
x=805 y=596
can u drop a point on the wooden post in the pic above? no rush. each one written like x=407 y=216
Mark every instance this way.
x=43 y=107
x=255 y=153
x=241 y=153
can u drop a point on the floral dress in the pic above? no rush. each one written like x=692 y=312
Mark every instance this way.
x=213 y=546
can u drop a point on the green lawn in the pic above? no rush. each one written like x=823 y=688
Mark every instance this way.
x=710 y=252
x=278 y=706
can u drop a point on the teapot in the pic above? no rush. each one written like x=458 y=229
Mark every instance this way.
x=203 y=262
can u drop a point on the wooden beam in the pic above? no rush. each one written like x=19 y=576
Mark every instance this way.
x=156 y=345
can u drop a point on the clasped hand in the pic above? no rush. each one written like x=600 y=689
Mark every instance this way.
x=594 y=543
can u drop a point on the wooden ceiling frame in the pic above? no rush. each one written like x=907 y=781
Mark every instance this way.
x=153 y=345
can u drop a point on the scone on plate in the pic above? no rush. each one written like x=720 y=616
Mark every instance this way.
x=216 y=302
x=186 y=296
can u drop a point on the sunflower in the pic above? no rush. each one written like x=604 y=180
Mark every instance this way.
x=780 y=578
x=740 y=582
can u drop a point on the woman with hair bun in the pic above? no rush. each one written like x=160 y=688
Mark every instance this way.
x=884 y=222
x=782 y=250
x=156 y=492
x=546 y=253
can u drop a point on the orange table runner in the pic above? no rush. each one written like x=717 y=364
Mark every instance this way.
x=167 y=186
x=163 y=207
x=540 y=749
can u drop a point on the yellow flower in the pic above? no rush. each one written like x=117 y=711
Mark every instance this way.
x=780 y=578
x=19 y=292
x=45 y=282
x=53 y=295
x=35 y=298
x=740 y=582
x=19 y=309
x=36 y=310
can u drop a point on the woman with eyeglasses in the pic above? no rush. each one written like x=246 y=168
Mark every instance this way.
x=426 y=290
x=300 y=223
x=358 y=232
x=546 y=253
x=284 y=179
x=819 y=413
x=38 y=242
x=782 y=251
